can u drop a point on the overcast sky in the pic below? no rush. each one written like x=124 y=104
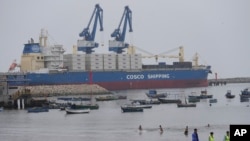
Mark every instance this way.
x=219 y=30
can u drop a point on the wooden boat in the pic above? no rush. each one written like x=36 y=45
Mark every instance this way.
x=147 y=102
x=74 y=98
x=110 y=97
x=85 y=106
x=203 y=95
x=213 y=100
x=167 y=100
x=77 y=111
x=128 y=108
x=244 y=98
x=154 y=94
x=245 y=93
x=106 y=98
x=229 y=95
x=38 y=109
x=193 y=99
x=180 y=105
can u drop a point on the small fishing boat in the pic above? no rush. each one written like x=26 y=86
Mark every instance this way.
x=229 y=94
x=110 y=97
x=168 y=100
x=213 y=100
x=85 y=106
x=193 y=99
x=38 y=109
x=244 y=98
x=203 y=95
x=147 y=102
x=245 y=93
x=154 y=94
x=131 y=108
x=180 y=105
x=77 y=111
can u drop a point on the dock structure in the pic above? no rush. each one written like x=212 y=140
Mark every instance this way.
x=224 y=81
x=19 y=94
x=216 y=82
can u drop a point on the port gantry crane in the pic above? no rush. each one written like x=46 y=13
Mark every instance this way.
x=88 y=42
x=117 y=45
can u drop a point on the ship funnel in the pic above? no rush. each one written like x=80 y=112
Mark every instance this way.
x=43 y=38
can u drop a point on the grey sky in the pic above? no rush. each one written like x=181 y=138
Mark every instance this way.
x=217 y=29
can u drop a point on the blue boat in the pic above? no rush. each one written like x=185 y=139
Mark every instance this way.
x=245 y=93
x=38 y=109
x=154 y=94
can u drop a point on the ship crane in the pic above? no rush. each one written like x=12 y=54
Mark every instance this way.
x=88 y=42
x=180 y=56
x=117 y=45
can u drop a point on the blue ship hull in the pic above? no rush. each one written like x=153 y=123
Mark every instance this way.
x=121 y=80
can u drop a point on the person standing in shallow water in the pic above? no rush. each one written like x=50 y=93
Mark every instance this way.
x=140 y=128
x=161 y=130
x=186 y=131
x=211 y=137
x=195 y=135
x=227 y=137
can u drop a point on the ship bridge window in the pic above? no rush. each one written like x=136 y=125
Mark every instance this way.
x=38 y=57
x=41 y=57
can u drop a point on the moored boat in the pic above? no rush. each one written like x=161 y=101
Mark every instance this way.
x=106 y=98
x=245 y=93
x=203 y=95
x=147 y=102
x=229 y=94
x=38 y=109
x=126 y=108
x=110 y=97
x=214 y=100
x=77 y=111
x=167 y=100
x=154 y=94
x=180 y=105
x=85 y=106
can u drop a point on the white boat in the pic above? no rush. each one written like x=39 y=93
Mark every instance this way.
x=77 y=111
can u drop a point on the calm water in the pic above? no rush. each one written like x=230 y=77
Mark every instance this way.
x=110 y=124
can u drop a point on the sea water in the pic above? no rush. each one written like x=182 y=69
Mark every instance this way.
x=110 y=124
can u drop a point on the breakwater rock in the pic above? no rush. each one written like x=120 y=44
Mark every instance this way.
x=57 y=90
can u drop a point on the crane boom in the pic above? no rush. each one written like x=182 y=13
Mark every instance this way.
x=117 y=45
x=88 y=42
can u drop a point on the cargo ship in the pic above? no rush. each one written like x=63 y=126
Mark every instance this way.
x=42 y=64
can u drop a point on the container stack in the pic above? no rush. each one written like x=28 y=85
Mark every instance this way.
x=109 y=61
x=74 y=61
x=135 y=61
x=94 y=61
x=123 y=61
